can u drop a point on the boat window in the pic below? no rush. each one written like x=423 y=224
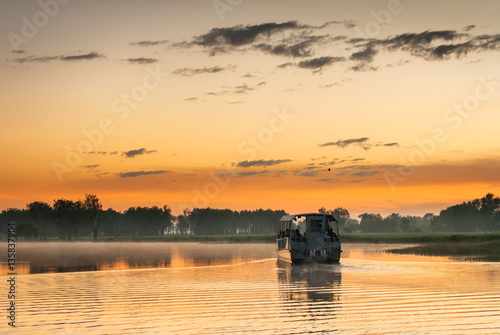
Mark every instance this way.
x=316 y=225
x=299 y=227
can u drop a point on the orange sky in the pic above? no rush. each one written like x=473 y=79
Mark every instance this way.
x=372 y=105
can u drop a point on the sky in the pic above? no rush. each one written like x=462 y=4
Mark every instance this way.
x=376 y=106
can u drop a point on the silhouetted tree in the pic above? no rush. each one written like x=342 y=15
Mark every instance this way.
x=352 y=226
x=183 y=223
x=392 y=223
x=92 y=206
x=370 y=223
x=340 y=214
x=489 y=205
x=69 y=216
x=13 y=215
x=148 y=220
x=28 y=230
x=41 y=213
x=167 y=219
x=112 y=223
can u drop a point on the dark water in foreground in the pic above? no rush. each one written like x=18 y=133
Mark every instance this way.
x=191 y=288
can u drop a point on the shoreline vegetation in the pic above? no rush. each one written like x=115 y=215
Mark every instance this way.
x=471 y=246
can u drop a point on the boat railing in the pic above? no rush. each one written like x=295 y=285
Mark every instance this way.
x=282 y=243
x=298 y=239
x=332 y=239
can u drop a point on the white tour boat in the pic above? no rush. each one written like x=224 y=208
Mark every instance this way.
x=309 y=237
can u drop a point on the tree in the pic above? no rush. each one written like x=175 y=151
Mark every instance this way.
x=392 y=223
x=460 y=217
x=93 y=208
x=488 y=205
x=342 y=215
x=69 y=217
x=27 y=230
x=14 y=215
x=370 y=223
x=41 y=213
x=167 y=218
x=183 y=223
x=111 y=222
x=352 y=226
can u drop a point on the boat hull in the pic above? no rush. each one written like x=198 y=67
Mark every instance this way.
x=299 y=256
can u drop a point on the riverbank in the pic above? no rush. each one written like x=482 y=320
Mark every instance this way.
x=378 y=238
x=475 y=251
x=385 y=238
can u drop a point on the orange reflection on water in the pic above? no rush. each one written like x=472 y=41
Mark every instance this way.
x=377 y=252
x=48 y=257
x=19 y=269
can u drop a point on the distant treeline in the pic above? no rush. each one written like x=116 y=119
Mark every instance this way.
x=67 y=219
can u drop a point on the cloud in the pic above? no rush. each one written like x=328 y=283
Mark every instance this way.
x=99 y=153
x=364 y=173
x=141 y=60
x=137 y=152
x=315 y=64
x=435 y=45
x=306 y=173
x=140 y=173
x=242 y=35
x=344 y=143
x=89 y=56
x=301 y=46
x=366 y=55
x=149 y=43
x=287 y=39
x=191 y=99
x=192 y=72
x=261 y=162
x=363 y=142
x=239 y=89
x=364 y=59
x=242 y=89
x=430 y=45
x=250 y=173
x=319 y=63
x=328 y=180
x=43 y=59
x=91 y=166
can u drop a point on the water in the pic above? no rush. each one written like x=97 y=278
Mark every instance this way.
x=190 y=288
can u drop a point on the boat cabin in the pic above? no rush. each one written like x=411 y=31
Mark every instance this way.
x=308 y=237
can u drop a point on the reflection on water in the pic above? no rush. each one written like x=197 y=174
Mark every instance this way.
x=191 y=288
x=42 y=257
x=315 y=282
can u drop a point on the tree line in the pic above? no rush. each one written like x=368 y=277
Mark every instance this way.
x=478 y=215
x=69 y=219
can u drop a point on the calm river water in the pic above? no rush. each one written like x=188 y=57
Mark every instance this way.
x=194 y=288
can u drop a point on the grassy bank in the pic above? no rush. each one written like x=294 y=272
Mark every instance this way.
x=401 y=238
x=420 y=237
x=476 y=251
x=255 y=238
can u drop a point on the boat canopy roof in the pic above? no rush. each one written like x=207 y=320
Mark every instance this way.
x=293 y=216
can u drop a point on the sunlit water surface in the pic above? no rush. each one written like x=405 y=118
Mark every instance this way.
x=194 y=288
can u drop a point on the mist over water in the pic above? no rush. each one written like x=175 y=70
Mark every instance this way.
x=196 y=288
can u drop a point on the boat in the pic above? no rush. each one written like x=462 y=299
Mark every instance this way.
x=308 y=237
